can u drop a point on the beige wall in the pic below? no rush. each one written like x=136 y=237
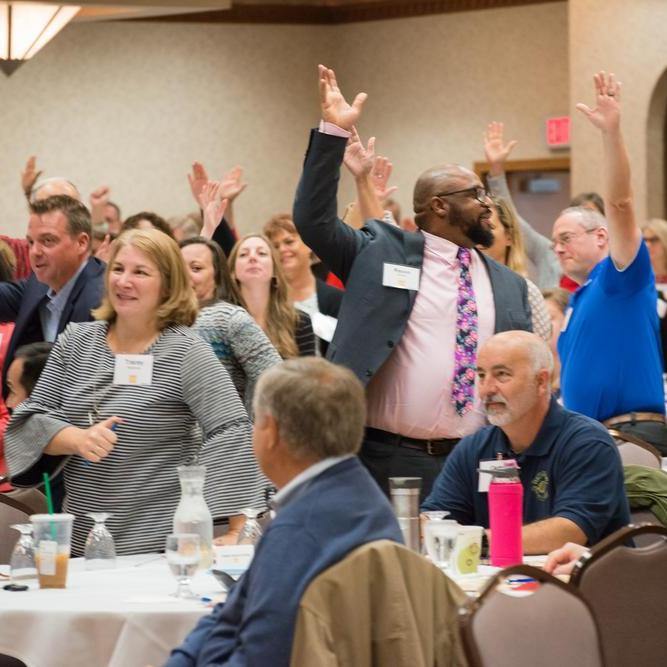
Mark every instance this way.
x=627 y=38
x=131 y=105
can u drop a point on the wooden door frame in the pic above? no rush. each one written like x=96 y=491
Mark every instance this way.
x=558 y=163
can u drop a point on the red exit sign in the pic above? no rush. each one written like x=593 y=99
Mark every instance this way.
x=558 y=132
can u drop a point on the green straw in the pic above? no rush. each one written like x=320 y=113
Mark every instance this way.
x=49 y=501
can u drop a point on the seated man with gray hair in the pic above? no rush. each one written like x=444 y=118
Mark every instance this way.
x=569 y=466
x=309 y=422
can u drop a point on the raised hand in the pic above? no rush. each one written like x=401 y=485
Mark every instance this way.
x=29 y=175
x=99 y=198
x=495 y=148
x=232 y=185
x=213 y=205
x=359 y=160
x=103 y=251
x=380 y=175
x=197 y=180
x=606 y=115
x=335 y=109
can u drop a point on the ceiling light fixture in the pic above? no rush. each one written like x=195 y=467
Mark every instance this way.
x=25 y=27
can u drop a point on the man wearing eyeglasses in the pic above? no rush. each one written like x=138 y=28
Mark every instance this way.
x=611 y=364
x=417 y=304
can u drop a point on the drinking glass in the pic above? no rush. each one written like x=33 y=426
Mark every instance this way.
x=435 y=515
x=183 y=554
x=251 y=531
x=100 y=551
x=440 y=540
x=22 y=562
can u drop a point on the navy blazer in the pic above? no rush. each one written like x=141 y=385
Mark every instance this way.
x=20 y=302
x=373 y=317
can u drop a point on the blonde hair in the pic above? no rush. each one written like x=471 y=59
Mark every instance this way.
x=282 y=317
x=659 y=228
x=180 y=303
x=8 y=257
x=515 y=253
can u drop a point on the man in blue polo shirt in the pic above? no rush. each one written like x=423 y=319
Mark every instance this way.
x=609 y=345
x=568 y=464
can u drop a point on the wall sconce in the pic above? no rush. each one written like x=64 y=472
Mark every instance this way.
x=25 y=27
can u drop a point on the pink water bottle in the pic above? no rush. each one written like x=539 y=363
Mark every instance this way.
x=506 y=517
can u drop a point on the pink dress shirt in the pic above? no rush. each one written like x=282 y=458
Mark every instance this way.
x=411 y=393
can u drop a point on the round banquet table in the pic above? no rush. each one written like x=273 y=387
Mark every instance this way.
x=118 y=617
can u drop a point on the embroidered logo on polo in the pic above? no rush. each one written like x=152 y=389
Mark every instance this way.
x=465 y=352
x=540 y=485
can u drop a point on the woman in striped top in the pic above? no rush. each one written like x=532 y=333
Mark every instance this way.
x=259 y=286
x=131 y=396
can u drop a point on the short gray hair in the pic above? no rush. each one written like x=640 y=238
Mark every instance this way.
x=588 y=218
x=540 y=355
x=319 y=407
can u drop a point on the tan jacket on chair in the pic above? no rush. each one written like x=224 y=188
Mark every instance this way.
x=382 y=605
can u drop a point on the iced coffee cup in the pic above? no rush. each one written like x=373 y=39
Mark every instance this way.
x=52 y=536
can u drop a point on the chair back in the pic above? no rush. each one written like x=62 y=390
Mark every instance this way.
x=627 y=590
x=550 y=627
x=383 y=604
x=11 y=512
x=635 y=451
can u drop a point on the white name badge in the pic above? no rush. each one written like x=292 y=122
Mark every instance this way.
x=566 y=319
x=493 y=464
x=133 y=369
x=398 y=275
x=324 y=326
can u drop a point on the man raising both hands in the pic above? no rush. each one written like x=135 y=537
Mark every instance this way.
x=417 y=304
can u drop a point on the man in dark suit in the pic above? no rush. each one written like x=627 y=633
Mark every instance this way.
x=416 y=305
x=66 y=282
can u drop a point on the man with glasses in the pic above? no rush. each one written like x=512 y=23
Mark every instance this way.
x=416 y=306
x=611 y=364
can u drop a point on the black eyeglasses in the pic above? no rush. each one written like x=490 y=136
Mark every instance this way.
x=479 y=193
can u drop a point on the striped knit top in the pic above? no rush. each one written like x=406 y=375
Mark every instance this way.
x=191 y=407
x=239 y=343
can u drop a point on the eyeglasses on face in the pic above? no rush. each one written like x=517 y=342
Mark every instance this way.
x=566 y=238
x=478 y=192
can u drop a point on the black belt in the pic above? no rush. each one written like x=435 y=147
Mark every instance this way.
x=439 y=447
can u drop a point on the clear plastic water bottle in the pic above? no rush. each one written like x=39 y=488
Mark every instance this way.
x=506 y=517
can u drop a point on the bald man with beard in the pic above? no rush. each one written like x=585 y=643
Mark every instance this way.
x=417 y=304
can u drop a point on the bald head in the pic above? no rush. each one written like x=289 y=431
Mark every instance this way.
x=50 y=187
x=521 y=346
x=442 y=178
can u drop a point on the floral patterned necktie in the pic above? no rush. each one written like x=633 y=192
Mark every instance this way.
x=465 y=353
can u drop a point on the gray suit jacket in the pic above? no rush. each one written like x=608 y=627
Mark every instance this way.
x=373 y=317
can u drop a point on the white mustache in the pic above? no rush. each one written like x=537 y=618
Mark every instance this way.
x=494 y=398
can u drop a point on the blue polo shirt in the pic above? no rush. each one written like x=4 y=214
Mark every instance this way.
x=571 y=470
x=611 y=359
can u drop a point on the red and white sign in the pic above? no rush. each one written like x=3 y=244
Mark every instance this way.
x=558 y=132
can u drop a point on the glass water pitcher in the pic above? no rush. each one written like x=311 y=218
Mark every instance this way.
x=192 y=514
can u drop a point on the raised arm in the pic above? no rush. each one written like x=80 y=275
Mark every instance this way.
x=624 y=233
x=538 y=246
x=359 y=160
x=315 y=204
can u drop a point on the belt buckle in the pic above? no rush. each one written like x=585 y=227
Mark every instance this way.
x=429 y=448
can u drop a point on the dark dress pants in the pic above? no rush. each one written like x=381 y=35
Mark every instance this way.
x=384 y=460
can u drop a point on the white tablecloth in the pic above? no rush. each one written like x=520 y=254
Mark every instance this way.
x=124 y=617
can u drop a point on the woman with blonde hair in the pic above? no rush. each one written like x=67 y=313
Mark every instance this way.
x=508 y=249
x=655 y=237
x=259 y=286
x=127 y=398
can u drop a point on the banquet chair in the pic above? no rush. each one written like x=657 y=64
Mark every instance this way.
x=551 y=626
x=635 y=451
x=626 y=589
x=11 y=512
x=383 y=604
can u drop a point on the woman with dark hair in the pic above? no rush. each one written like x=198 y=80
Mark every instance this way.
x=238 y=342
x=147 y=220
